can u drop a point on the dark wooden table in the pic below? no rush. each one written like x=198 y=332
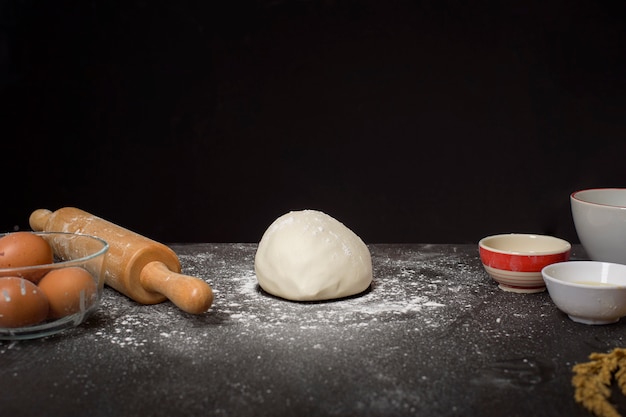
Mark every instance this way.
x=433 y=336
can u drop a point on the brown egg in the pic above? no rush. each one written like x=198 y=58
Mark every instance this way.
x=68 y=290
x=24 y=249
x=21 y=303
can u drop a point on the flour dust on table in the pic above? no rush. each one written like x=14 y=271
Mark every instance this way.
x=420 y=286
x=416 y=289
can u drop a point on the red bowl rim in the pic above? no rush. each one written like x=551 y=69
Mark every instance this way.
x=564 y=249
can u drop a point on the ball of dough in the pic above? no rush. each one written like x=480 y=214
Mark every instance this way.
x=310 y=256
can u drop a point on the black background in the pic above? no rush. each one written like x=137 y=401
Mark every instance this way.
x=435 y=122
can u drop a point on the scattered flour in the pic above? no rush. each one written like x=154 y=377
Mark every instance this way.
x=422 y=287
x=417 y=286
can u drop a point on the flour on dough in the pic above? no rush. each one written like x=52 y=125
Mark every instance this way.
x=308 y=255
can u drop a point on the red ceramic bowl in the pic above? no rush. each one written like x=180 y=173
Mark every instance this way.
x=515 y=260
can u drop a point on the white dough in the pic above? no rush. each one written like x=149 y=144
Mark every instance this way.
x=309 y=256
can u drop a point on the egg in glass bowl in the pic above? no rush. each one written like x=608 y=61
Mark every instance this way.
x=49 y=282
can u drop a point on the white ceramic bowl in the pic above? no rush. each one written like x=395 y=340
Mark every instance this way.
x=515 y=260
x=589 y=292
x=599 y=216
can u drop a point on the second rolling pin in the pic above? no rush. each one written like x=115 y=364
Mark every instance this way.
x=140 y=268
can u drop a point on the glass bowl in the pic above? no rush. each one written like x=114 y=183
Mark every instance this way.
x=71 y=286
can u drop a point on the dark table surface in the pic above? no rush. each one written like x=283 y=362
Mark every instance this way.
x=433 y=336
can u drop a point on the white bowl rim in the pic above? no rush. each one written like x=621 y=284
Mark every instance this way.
x=566 y=246
x=578 y=199
x=545 y=275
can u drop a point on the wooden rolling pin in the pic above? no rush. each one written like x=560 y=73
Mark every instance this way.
x=138 y=267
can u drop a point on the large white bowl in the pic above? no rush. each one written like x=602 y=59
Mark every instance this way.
x=599 y=215
x=589 y=292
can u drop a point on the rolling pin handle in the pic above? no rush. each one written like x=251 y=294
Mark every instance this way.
x=38 y=219
x=190 y=294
